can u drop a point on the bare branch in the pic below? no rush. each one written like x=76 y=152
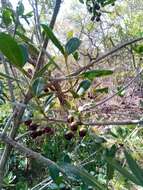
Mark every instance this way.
x=29 y=153
x=89 y=107
x=101 y=57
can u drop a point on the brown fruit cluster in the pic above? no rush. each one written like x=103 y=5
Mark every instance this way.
x=33 y=127
x=74 y=125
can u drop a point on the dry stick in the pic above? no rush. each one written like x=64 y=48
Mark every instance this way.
x=52 y=23
x=36 y=19
x=20 y=111
x=128 y=122
x=10 y=85
x=99 y=123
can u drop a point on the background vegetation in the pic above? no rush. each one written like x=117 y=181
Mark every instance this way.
x=71 y=95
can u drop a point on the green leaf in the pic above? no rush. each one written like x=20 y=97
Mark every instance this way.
x=25 y=52
x=82 y=174
x=54 y=173
x=32 y=49
x=135 y=168
x=111 y=154
x=49 y=33
x=83 y=87
x=81 y=1
x=121 y=92
x=29 y=14
x=72 y=45
x=46 y=67
x=76 y=55
x=43 y=70
x=96 y=73
x=2 y=100
x=38 y=85
x=11 y=50
x=101 y=90
x=138 y=49
x=20 y=8
x=84 y=187
x=7 y=16
x=1 y=87
x=122 y=170
x=49 y=101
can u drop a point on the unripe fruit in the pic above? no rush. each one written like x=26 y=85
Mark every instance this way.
x=28 y=122
x=70 y=119
x=82 y=132
x=74 y=126
x=69 y=135
x=33 y=127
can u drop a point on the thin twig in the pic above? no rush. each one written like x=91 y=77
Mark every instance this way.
x=99 y=58
x=89 y=107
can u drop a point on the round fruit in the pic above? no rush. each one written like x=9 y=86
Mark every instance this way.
x=82 y=132
x=46 y=89
x=33 y=135
x=92 y=18
x=47 y=129
x=96 y=6
x=33 y=127
x=39 y=133
x=30 y=71
x=97 y=18
x=28 y=122
x=69 y=135
x=70 y=119
x=74 y=126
